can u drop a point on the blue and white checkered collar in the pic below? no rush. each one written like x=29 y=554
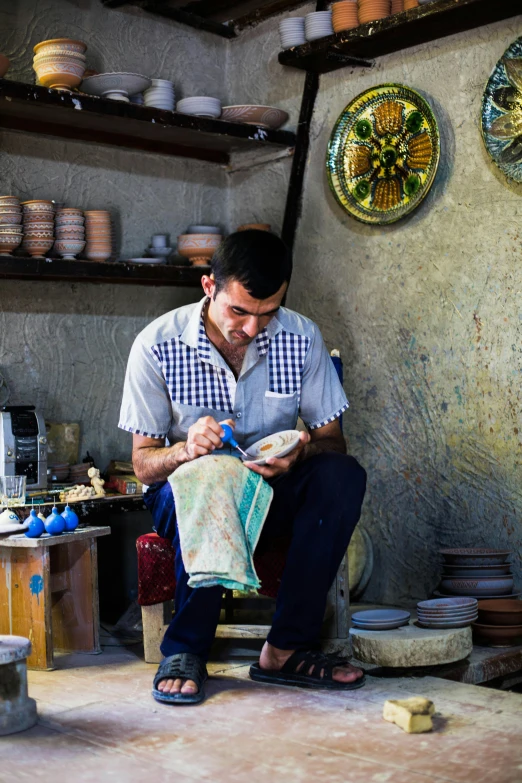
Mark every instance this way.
x=194 y=334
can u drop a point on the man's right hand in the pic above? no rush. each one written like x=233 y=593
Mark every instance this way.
x=204 y=437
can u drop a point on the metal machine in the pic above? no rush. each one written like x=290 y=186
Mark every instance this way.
x=23 y=445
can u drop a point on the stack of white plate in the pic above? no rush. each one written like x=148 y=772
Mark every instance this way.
x=160 y=95
x=292 y=32
x=380 y=619
x=318 y=24
x=200 y=107
x=447 y=612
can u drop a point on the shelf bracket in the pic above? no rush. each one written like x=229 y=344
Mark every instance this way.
x=347 y=59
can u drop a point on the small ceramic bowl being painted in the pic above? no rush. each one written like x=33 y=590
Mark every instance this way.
x=277 y=445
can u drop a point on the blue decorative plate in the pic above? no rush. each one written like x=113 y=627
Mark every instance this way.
x=502 y=112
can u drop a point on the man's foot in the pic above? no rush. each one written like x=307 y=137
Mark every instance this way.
x=274 y=659
x=177 y=686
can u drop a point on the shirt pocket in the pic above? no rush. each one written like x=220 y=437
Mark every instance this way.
x=280 y=411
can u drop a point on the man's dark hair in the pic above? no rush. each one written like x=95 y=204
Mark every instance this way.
x=259 y=260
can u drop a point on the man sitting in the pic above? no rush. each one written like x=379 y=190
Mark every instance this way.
x=239 y=356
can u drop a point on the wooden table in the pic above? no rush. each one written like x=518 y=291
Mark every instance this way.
x=49 y=592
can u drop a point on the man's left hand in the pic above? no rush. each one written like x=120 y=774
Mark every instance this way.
x=274 y=466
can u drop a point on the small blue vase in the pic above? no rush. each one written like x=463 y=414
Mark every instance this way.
x=71 y=519
x=55 y=524
x=36 y=526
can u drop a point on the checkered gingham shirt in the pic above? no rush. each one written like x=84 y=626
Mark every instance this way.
x=175 y=376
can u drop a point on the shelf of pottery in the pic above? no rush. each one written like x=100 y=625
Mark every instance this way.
x=61 y=64
x=36 y=227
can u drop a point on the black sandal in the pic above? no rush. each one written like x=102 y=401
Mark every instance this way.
x=183 y=666
x=311 y=659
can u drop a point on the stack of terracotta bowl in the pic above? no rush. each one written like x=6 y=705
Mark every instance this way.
x=255 y=227
x=60 y=63
x=38 y=218
x=371 y=10
x=344 y=15
x=10 y=228
x=397 y=6
x=483 y=573
x=410 y=4
x=98 y=233
x=499 y=622
x=70 y=232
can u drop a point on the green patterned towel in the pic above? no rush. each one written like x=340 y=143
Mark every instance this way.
x=221 y=507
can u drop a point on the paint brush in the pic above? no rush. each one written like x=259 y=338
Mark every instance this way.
x=228 y=437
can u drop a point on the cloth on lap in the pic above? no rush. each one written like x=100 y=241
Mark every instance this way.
x=221 y=507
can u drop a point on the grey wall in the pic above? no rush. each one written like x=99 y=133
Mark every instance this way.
x=64 y=347
x=426 y=313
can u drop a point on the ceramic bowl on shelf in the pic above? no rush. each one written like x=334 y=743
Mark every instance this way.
x=12 y=228
x=200 y=107
x=262 y=116
x=203 y=230
x=254 y=227
x=73 y=220
x=37 y=205
x=198 y=248
x=62 y=45
x=160 y=252
x=59 y=73
x=68 y=248
x=503 y=611
x=486 y=570
x=116 y=86
x=8 y=243
x=9 y=201
x=37 y=247
x=10 y=217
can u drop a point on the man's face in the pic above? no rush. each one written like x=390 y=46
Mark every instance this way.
x=238 y=316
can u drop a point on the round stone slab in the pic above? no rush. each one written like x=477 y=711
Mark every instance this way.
x=411 y=646
x=14 y=648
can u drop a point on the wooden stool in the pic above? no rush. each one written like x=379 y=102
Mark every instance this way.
x=49 y=592
x=17 y=710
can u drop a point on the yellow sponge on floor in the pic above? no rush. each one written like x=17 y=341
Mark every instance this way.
x=411 y=715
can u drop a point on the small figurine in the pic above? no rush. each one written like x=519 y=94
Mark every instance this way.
x=36 y=526
x=55 y=524
x=96 y=481
x=71 y=519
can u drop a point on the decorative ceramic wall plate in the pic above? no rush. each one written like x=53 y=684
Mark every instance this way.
x=383 y=154
x=502 y=112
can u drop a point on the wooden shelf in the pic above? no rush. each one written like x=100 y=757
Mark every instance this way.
x=222 y=17
x=33 y=109
x=419 y=25
x=18 y=268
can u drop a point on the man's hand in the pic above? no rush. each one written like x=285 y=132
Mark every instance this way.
x=274 y=466
x=204 y=437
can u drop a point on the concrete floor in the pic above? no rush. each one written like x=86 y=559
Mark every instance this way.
x=98 y=722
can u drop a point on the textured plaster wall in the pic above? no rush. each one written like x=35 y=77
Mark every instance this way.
x=64 y=347
x=426 y=313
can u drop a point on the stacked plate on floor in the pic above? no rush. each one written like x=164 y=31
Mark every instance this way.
x=483 y=573
x=380 y=619
x=200 y=107
x=318 y=25
x=292 y=32
x=451 y=612
x=160 y=95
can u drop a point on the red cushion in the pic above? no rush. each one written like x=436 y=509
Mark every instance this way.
x=157 y=580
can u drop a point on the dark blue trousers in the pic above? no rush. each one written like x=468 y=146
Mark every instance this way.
x=317 y=504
